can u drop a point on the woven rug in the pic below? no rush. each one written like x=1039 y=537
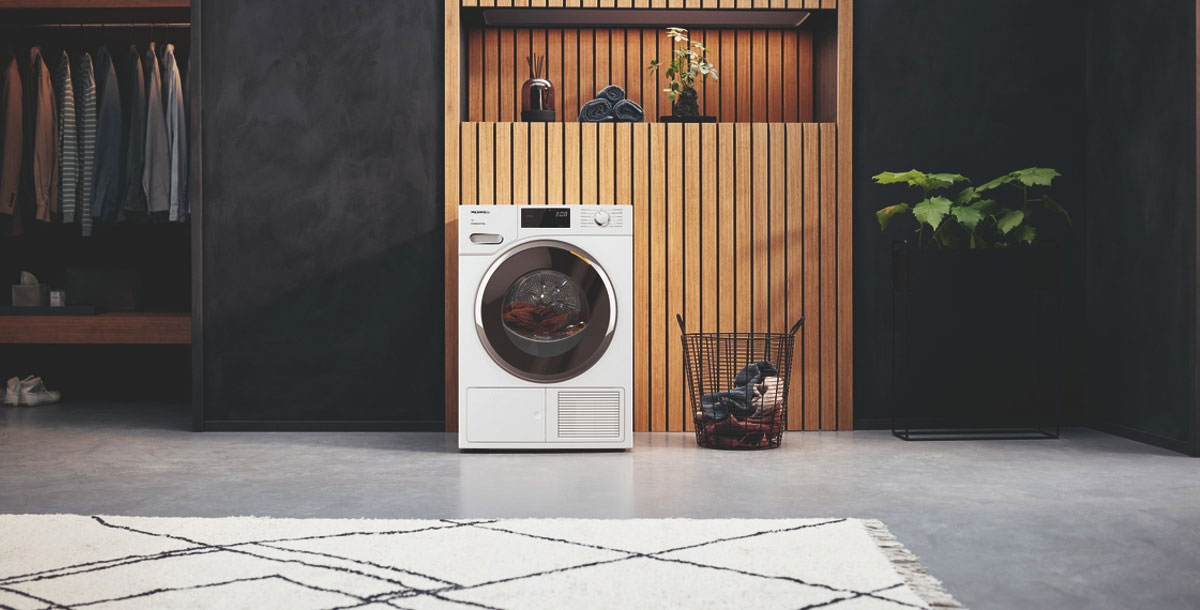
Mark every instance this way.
x=67 y=561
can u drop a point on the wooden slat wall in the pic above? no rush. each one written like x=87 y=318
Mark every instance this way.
x=769 y=73
x=737 y=228
x=756 y=238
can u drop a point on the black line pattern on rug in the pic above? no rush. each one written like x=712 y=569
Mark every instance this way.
x=655 y=556
x=194 y=550
x=405 y=591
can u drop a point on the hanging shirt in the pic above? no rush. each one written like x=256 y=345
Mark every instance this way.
x=85 y=109
x=176 y=131
x=134 y=98
x=68 y=139
x=44 y=138
x=106 y=195
x=156 y=176
x=11 y=132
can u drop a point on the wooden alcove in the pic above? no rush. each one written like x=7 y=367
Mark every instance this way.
x=740 y=225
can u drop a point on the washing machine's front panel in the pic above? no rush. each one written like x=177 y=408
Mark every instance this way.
x=545 y=311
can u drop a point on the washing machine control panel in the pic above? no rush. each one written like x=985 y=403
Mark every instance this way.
x=486 y=228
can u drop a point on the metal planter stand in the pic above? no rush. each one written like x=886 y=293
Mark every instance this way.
x=909 y=426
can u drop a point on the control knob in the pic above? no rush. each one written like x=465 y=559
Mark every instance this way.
x=601 y=218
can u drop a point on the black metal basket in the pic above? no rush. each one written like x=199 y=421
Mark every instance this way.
x=739 y=386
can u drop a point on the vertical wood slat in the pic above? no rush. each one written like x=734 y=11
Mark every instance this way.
x=743 y=267
x=828 y=278
x=554 y=164
x=708 y=256
x=486 y=144
x=674 y=230
x=588 y=169
x=452 y=176
x=760 y=243
x=606 y=157
x=643 y=381
x=811 y=273
x=508 y=75
x=469 y=178
x=845 y=210
x=570 y=160
x=776 y=224
x=537 y=163
x=519 y=162
x=658 y=270
x=491 y=76
x=796 y=288
x=503 y=164
x=692 y=255
x=726 y=263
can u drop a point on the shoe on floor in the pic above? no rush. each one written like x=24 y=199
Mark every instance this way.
x=34 y=392
x=12 y=394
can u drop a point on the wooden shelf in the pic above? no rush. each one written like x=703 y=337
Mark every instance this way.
x=93 y=4
x=100 y=329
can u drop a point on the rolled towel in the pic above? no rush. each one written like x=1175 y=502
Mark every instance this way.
x=612 y=93
x=598 y=110
x=628 y=111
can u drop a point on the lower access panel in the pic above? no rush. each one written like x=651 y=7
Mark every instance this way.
x=506 y=415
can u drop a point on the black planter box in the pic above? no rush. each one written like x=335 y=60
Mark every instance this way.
x=977 y=343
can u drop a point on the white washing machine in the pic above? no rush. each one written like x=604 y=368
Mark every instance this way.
x=545 y=327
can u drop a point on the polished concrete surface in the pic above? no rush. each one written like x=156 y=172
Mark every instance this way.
x=1090 y=521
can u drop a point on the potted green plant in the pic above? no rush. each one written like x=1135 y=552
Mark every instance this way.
x=689 y=62
x=977 y=308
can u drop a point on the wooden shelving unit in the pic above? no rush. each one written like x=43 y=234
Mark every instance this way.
x=101 y=329
x=743 y=225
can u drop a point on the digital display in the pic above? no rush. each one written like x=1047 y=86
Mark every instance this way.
x=546 y=218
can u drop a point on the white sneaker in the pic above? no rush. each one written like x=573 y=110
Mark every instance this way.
x=12 y=395
x=34 y=392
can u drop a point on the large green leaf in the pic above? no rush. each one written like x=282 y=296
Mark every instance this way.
x=885 y=215
x=919 y=179
x=1036 y=176
x=1009 y=220
x=985 y=206
x=911 y=177
x=1054 y=206
x=1002 y=180
x=941 y=181
x=1027 y=233
x=967 y=216
x=931 y=211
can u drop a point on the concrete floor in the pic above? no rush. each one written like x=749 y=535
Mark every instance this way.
x=1090 y=521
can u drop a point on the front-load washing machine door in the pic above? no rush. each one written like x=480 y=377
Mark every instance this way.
x=545 y=311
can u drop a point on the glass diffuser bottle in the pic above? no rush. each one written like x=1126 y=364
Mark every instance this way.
x=537 y=94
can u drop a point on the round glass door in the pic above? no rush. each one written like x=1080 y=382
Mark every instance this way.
x=545 y=311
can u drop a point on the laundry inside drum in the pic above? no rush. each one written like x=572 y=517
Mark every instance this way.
x=545 y=313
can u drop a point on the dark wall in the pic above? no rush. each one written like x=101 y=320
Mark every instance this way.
x=979 y=88
x=1141 y=265
x=322 y=224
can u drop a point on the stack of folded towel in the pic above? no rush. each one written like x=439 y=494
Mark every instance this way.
x=748 y=415
x=610 y=106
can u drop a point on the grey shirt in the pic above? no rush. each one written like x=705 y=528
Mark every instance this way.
x=176 y=132
x=68 y=139
x=156 y=175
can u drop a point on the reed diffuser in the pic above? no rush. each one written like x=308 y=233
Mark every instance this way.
x=537 y=94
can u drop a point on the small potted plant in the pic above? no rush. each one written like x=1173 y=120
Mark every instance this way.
x=689 y=62
x=983 y=297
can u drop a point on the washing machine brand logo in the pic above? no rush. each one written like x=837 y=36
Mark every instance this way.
x=481 y=211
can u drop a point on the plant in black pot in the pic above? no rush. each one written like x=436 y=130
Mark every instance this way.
x=689 y=62
x=977 y=309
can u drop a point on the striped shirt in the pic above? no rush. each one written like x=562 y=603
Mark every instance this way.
x=68 y=139
x=85 y=107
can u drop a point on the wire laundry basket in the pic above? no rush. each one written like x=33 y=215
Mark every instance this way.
x=738 y=385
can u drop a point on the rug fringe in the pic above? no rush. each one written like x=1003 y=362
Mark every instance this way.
x=910 y=568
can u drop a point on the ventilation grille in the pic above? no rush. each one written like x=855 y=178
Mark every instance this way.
x=589 y=414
